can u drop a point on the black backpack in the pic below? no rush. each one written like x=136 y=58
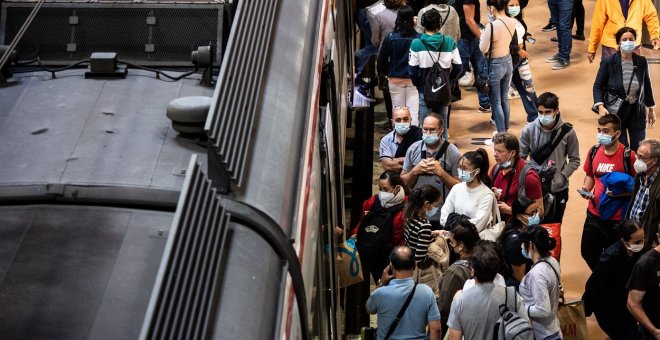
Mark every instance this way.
x=437 y=89
x=511 y=325
x=546 y=173
x=374 y=236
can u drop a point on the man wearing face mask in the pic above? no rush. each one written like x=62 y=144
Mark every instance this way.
x=645 y=203
x=644 y=291
x=393 y=146
x=506 y=175
x=432 y=161
x=550 y=139
x=608 y=169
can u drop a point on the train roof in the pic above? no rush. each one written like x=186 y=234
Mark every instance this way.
x=94 y=139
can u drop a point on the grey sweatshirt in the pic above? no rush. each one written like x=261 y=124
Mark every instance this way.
x=450 y=27
x=566 y=155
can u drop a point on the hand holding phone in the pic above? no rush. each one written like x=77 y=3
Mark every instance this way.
x=585 y=194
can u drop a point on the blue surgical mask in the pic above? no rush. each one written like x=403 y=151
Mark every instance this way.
x=534 y=219
x=432 y=212
x=524 y=252
x=402 y=128
x=465 y=176
x=507 y=164
x=513 y=11
x=430 y=138
x=604 y=139
x=546 y=119
x=628 y=46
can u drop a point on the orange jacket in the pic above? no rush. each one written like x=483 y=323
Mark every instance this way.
x=608 y=19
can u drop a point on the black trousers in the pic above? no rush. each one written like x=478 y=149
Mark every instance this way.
x=617 y=327
x=557 y=215
x=374 y=265
x=597 y=235
x=578 y=17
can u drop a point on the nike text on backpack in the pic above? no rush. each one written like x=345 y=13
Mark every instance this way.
x=437 y=90
x=511 y=325
x=375 y=232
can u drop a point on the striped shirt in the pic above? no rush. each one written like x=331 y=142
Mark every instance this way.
x=627 y=69
x=417 y=234
x=642 y=197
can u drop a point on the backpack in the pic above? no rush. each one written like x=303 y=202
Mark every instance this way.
x=626 y=158
x=374 y=235
x=511 y=325
x=437 y=89
x=546 y=174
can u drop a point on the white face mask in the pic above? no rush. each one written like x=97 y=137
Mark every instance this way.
x=385 y=197
x=640 y=166
x=635 y=248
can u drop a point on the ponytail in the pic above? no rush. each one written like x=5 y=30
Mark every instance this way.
x=540 y=238
x=479 y=160
x=417 y=198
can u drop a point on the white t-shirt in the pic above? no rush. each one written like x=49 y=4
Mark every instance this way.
x=476 y=203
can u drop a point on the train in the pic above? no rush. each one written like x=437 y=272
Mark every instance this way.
x=114 y=225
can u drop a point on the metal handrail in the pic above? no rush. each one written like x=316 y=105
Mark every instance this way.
x=20 y=33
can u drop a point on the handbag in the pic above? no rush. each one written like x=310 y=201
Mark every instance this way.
x=481 y=81
x=494 y=229
x=612 y=101
x=572 y=321
x=349 y=267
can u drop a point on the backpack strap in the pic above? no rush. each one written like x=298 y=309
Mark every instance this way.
x=428 y=50
x=442 y=151
x=401 y=312
x=443 y=21
x=561 y=287
x=565 y=129
x=521 y=180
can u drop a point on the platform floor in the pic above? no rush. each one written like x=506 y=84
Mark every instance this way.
x=573 y=85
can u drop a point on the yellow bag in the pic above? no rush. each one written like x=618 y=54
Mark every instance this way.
x=349 y=267
x=572 y=320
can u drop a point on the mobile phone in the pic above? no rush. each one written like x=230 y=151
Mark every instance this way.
x=585 y=193
x=531 y=40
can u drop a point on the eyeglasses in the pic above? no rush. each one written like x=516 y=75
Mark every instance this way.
x=400 y=108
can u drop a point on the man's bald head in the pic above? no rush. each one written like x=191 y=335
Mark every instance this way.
x=402 y=258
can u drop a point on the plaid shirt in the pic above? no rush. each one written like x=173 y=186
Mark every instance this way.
x=642 y=198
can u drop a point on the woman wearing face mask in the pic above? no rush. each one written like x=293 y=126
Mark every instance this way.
x=624 y=78
x=540 y=288
x=524 y=212
x=463 y=237
x=380 y=227
x=494 y=44
x=605 y=292
x=472 y=197
x=422 y=203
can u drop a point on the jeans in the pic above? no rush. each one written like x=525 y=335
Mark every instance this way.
x=563 y=11
x=406 y=95
x=498 y=81
x=363 y=24
x=597 y=235
x=440 y=110
x=362 y=57
x=470 y=53
x=525 y=88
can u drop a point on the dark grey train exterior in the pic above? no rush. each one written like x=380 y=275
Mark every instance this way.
x=92 y=172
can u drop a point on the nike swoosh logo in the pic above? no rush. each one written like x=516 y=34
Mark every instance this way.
x=434 y=89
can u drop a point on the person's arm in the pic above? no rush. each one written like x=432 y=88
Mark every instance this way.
x=484 y=213
x=457 y=64
x=454 y=334
x=448 y=206
x=409 y=178
x=436 y=169
x=541 y=307
x=434 y=329
x=372 y=305
x=598 y=21
x=383 y=57
x=413 y=65
x=652 y=24
x=468 y=12
x=635 y=298
x=484 y=42
x=390 y=164
x=524 y=140
x=573 y=153
x=649 y=101
x=602 y=79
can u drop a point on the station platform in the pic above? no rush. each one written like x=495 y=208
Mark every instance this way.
x=573 y=85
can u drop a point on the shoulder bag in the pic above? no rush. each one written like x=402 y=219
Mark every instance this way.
x=612 y=101
x=401 y=312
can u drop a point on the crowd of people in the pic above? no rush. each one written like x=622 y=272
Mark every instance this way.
x=450 y=238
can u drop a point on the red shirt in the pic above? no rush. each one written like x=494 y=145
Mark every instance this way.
x=532 y=183
x=603 y=164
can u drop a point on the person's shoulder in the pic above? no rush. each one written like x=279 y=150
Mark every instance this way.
x=388 y=137
x=452 y=150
